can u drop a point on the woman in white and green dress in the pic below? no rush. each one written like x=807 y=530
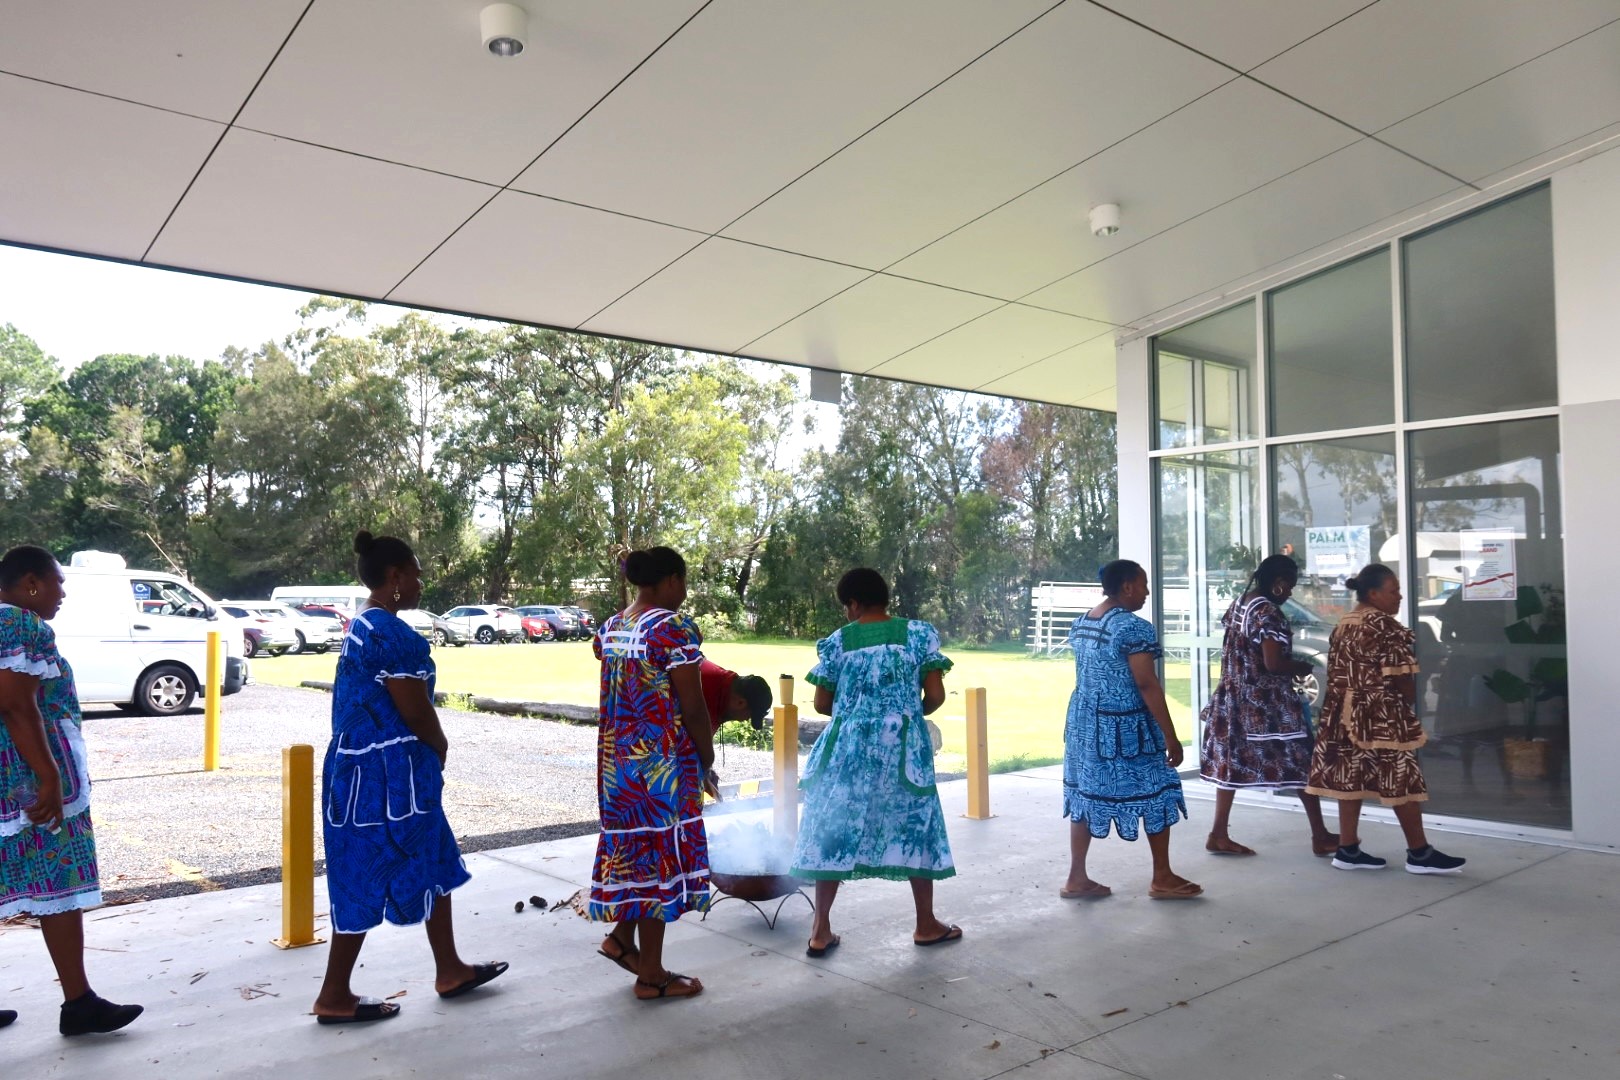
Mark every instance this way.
x=871 y=809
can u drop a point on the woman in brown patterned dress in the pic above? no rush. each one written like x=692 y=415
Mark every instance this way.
x=1256 y=734
x=1368 y=734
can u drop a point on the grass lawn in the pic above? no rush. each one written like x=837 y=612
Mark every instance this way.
x=1026 y=698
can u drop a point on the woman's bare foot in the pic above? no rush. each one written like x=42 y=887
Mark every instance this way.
x=1225 y=845
x=348 y=1006
x=455 y=976
x=669 y=985
x=1324 y=845
x=933 y=931
x=1084 y=890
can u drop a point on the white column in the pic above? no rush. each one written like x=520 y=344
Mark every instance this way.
x=1586 y=259
x=1132 y=393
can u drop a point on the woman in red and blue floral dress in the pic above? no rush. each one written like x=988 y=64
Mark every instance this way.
x=655 y=750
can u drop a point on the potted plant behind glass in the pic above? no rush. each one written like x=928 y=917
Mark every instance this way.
x=1539 y=623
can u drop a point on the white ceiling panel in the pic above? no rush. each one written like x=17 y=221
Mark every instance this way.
x=1007 y=338
x=1242 y=33
x=866 y=325
x=1355 y=187
x=755 y=92
x=1235 y=139
x=723 y=295
x=194 y=56
x=293 y=214
x=539 y=260
x=1401 y=56
x=1525 y=112
x=89 y=173
x=1062 y=90
x=409 y=80
x=1084 y=372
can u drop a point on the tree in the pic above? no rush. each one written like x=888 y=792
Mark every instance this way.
x=25 y=373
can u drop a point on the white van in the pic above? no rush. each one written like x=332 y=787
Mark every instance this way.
x=138 y=639
x=345 y=598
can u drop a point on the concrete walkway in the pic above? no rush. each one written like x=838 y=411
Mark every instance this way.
x=1287 y=969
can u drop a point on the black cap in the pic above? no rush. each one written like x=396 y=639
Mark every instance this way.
x=757 y=692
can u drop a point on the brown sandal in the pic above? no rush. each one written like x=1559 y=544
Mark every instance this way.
x=1226 y=847
x=1095 y=891
x=663 y=988
x=1185 y=891
x=627 y=957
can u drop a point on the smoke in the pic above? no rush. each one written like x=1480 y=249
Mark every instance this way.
x=748 y=850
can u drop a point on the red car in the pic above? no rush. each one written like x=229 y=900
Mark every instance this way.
x=537 y=629
x=321 y=611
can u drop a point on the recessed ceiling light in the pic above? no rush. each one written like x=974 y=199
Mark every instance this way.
x=505 y=28
x=1104 y=219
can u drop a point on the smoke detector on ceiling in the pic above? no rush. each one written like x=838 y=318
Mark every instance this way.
x=1104 y=219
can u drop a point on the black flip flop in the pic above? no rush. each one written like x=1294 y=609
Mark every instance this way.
x=366 y=1010
x=953 y=934
x=663 y=988
x=482 y=973
x=811 y=950
x=626 y=959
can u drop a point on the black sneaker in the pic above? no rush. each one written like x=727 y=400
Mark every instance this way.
x=95 y=1015
x=1356 y=859
x=1431 y=860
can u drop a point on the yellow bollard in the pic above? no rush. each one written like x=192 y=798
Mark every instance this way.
x=785 y=775
x=297 y=848
x=978 y=755
x=211 y=703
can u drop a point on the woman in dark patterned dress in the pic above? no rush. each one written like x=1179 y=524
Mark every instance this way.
x=1368 y=734
x=1256 y=734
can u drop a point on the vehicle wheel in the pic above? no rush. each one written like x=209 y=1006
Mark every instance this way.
x=1310 y=688
x=485 y=635
x=439 y=639
x=298 y=645
x=166 y=690
x=250 y=648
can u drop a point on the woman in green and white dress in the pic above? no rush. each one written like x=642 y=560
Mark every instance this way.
x=871 y=809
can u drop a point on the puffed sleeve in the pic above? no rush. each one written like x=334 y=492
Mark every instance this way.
x=1136 y=635
x=1270 y=624
x=1395 y=647
x=395 y=651
x=829 y=651
x=28 y=645
x=675 y=642
x=925 y=640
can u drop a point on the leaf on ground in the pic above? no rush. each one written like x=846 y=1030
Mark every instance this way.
x=1117 y=1012
x=911 y=1013
x=995 y=1044
x=1049 y=994
x=195 y=979
x=400 y=994
x=1179 y=1005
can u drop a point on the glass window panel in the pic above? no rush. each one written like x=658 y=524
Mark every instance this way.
x=1206 y=551
x=1489 y=579
x=1479 y=312
x=1205 y=380
x=1332 y=350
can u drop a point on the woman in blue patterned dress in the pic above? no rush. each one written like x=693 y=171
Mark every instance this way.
x=1121 y=750
x=871 y=809
x=390 y=853
x=47 y=846
x=655 y=753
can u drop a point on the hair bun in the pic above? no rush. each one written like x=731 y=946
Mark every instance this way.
x=364 y=541
x=1353 y=584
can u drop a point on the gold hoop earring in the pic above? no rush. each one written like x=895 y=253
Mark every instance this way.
x=33 y=592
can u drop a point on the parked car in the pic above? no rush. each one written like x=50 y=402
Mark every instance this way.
x=346 y=598
x=137 y=639
x=263 y=633
x=316 y=635
x=324 y=611
x=436 y=628
x=564 y=624
x=587 y=622
x=486 y=623
x=1311 y=634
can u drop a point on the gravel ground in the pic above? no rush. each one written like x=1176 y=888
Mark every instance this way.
x=164 y=827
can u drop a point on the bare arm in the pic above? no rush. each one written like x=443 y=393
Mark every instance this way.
x=933 y=691
x=1147 y=683
x=416 y=709
x=19 y=706
x=1279 y=662
x=824 y=700
x=688 y=687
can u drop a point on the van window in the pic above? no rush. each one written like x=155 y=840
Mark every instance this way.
x=157 y=596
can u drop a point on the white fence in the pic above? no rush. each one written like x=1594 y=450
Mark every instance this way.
x=1053 y=605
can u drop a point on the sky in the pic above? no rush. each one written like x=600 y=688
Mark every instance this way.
x=77 y=309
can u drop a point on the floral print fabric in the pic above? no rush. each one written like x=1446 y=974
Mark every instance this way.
x=1255 y=730
x=389 y=849
x=871 y=809
x=652 y=857
x=1115 y=773
x=42 y=873
x=1368 y=733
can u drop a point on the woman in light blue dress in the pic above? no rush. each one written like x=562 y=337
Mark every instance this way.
x=1120 y=745
x=871 y=809
x=390 y=853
